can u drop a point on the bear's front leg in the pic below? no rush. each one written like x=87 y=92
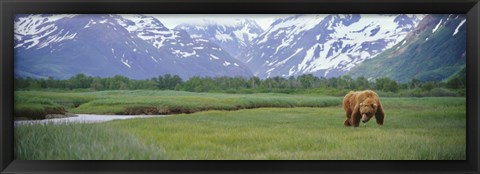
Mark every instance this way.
x=355 y=119
x=347 y=122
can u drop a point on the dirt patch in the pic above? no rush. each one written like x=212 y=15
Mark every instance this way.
x=141 y=110
x=54 y=110
x=151 y=110
x=147 y=110
x=29 y=114
x=51 y=116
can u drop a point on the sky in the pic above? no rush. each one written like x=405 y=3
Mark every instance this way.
x=172 y=20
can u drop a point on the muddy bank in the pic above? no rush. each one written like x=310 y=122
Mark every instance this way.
x=149 y=110
x=47 y=116
x=145 y=110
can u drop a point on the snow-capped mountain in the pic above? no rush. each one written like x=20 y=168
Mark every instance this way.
x=135 y=46
x=234 y=37
x=29 y=31
x=324 y=45
x=434 y=50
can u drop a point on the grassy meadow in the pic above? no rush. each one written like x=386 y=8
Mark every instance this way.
x=134 y=102
x=239 y=126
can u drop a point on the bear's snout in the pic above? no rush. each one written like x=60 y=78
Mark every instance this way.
x=365 y=117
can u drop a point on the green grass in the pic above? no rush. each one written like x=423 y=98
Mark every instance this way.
x=37 y=104
x=66 y=99
x=169 y=102
x=415 y=129
x=79 y=142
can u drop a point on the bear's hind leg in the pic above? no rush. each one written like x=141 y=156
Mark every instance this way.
x=348 y=113
x=379 y=115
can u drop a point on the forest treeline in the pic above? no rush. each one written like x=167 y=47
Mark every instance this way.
x=306 y=83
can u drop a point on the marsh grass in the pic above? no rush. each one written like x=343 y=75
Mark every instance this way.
x=415 y=129
x=38 y=104
x=170 y=102
x=79 y=142
x=66 y=99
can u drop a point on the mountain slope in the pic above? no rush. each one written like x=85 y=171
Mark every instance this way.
x=324 y=45
x=234 y=38
x=435 y=50
x=135 y=46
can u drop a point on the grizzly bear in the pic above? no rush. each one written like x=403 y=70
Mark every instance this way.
x=362 y=106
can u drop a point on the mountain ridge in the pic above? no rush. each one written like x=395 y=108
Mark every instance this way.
x=107 y=45
x=140 y=46
x=434 y=51
x=323 y=45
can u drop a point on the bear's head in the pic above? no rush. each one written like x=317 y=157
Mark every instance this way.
x=368 y=108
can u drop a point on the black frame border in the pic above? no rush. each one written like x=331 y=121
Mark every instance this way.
x=10 y=7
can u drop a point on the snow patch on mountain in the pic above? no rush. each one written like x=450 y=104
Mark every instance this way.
x=147 y=28
x=214 y=57
x=223 y=37
x=225 y=63
x=31 y=24
x=293 y=26
x=436 y=27
x=458 y=27
x=125 y=62
x=39 y=31
x=234 y=36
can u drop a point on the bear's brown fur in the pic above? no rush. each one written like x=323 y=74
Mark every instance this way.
x=361 y=106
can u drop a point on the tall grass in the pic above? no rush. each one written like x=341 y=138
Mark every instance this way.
x=38 y=104
x=63 y=98
x=414 y=129
x=79 y=142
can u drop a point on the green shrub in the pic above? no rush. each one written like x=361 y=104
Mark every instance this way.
x=442 y=92
x=231 y=91
x=245 y=91
x=462 y=92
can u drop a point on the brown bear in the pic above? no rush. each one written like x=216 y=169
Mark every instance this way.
x=362 y=106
